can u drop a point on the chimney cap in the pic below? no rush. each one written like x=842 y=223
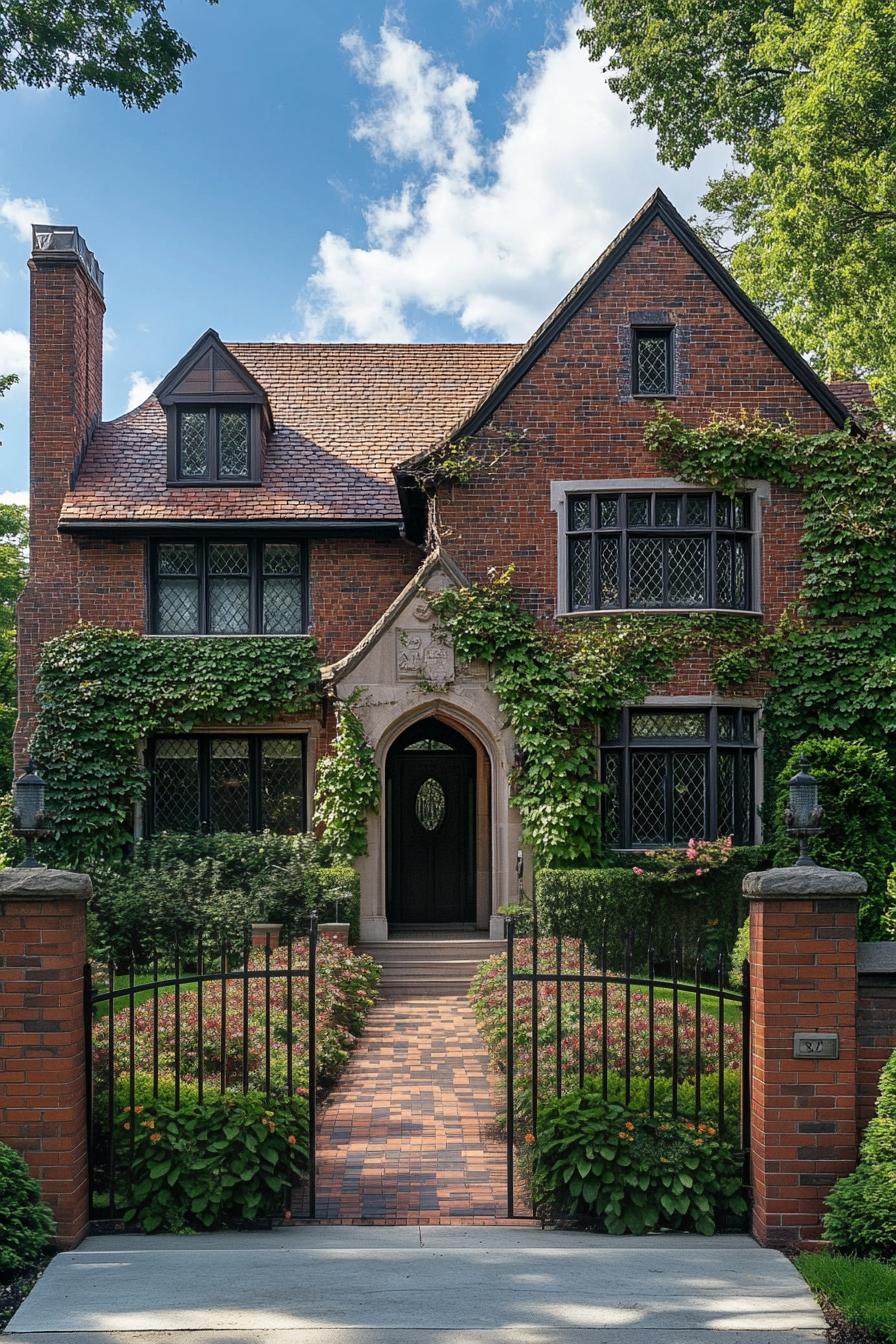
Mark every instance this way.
x=65 y=243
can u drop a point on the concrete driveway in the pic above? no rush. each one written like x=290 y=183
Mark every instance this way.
x=418 y=1285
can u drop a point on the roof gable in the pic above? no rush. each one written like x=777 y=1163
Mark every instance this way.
x=210 y=372
x=658 y=207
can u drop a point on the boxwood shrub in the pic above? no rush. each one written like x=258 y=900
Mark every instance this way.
x=861 y=1217
x=26 y=1224
x=582 y=902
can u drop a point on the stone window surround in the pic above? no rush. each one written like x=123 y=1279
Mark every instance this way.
x=710 y=700
x=561 y=490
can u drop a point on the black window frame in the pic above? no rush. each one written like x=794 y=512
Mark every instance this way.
x=667 y=333
x=205 y=740
x=742 y=746
x=712 y=531
x=213 y=475
x=257 y=578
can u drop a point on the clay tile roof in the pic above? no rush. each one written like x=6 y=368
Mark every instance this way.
x=853 y=392
x=344 y=416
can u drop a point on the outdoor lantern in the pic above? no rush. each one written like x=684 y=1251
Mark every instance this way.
x=28 y=812
x=803 y=815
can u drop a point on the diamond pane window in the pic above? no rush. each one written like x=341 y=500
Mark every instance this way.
x=176 y=784
x=652 y=363
x=283 y=784
x=663 y=793
x=233 y=443
x=228 y=784
x=646 y=550
x=429 y=805
x=228 y=588
x=193 y=443
x=238 y=783
x=609 y=511
x=667 y=723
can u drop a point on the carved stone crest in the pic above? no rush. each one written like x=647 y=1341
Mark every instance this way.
x=424 y=655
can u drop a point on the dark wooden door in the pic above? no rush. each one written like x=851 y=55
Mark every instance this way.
x=431 y=860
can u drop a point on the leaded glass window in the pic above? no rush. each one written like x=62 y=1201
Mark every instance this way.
x=232 y=782
x=655 y=550
x=228 y=587
x=213 y=444
x=673 y=774
x=652 y=362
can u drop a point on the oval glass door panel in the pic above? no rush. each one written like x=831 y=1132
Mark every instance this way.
x=430 y=805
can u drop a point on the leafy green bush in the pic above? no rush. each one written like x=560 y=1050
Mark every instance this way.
x=740 y=953
x=11 y=848
x=631 y=1172
x=857 y=788
x=861 y=1217
x=863 y=1292
x=26 y=1224
x=178 y=885
x=229 y=1160
x=583 y=902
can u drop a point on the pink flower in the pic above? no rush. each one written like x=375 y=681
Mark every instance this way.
x=700 y=872
x=638 y=871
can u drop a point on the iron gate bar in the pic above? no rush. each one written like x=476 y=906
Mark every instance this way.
x=178 y=980
x=700 y=990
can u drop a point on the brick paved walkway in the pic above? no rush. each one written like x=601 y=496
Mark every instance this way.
x=408 y=1134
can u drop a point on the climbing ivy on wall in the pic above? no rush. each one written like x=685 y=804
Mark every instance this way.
x=832 y=658
x=556 y=684
x=348 y=786
x=101 y=691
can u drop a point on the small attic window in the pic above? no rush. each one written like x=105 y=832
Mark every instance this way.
x=219 y=418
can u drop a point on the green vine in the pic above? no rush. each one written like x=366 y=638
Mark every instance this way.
x=555 y=685
x=101 y=691
x=832 y=658
x=348 y=786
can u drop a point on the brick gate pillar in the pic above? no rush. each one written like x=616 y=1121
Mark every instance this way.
x=43 y=1081
x=803 y=1086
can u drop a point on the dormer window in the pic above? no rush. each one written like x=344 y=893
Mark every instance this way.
x=214 y=444
x=219 y=418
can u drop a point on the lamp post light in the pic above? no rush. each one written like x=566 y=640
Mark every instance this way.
x=28 y=812
x=803 y=813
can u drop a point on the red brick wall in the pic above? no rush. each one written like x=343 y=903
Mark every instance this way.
x=876 y=1030
x=581 y=423
x=352 y=581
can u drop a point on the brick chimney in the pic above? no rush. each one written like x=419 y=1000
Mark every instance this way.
x=66 y=400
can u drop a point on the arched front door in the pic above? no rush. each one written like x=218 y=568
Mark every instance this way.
x=431 y=811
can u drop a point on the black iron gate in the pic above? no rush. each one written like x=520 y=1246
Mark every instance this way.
x=644 y=1032
x=205 y=1020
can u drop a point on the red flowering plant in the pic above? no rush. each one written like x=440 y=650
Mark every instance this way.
x=172 y=1035
x=681 y=865
x=682 y=1043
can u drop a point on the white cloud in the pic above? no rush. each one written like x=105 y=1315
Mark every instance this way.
x=489 y=233
x=14 y=497
x=14 y=353
x=20 y=212
x=140 y=388
x=110 y=338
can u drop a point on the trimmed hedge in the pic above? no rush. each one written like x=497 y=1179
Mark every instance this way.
x=581 y=902
x=26 y=1224
x=861 y=1217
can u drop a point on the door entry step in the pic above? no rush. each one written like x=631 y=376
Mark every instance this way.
x=429 y=966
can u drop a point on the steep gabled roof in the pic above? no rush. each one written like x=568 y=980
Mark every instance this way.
x=658 y=207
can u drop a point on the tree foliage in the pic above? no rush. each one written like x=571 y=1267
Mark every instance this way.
x=805 y=96
x=13 y=570
x=124 y=46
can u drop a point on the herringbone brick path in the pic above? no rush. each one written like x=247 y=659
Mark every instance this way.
x=408 y=1134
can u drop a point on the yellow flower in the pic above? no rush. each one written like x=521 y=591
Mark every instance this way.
x=629 y=1125
x=698 y=1143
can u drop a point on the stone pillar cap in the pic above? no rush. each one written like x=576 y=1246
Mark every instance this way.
x=803 y=883
x=41 y=884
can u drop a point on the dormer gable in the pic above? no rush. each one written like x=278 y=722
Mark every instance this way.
x=219 y=418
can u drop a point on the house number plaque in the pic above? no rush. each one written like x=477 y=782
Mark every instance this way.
x=816 y=1045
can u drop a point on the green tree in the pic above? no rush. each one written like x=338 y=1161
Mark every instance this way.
x=125 y=46
x=13 y=570
x=805 y=96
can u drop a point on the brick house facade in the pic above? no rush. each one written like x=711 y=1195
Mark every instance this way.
x=265 y=484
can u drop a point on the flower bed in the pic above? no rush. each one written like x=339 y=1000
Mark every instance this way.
x=488 y=996
x=346 y=989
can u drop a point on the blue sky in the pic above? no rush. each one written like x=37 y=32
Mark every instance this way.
x=443 y=171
